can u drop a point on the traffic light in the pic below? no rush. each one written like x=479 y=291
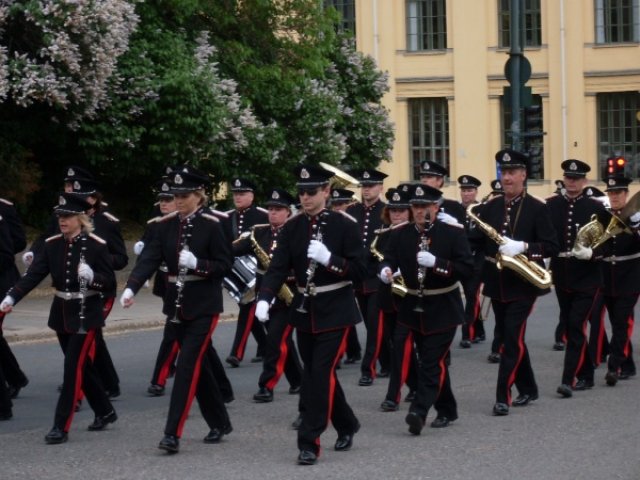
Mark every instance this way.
x=533 y=140
x=615 y=166
x=533 y=122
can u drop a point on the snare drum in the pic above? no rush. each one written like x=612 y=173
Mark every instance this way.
x=241 y=282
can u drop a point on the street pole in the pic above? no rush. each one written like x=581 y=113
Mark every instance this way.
x=515 y=54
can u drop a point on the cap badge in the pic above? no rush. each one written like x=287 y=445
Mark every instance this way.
x=335 y=194
x=419 y=191
x=71 y=172
x=395 y=197
x=62 y=201
x=573 y=167
x=165 y=187
x=168 y=170
x=76 y=185
x=589 y=192
x=366 y=174
x=185 y=169
x=498 y=185
x=237 y=183
x=426 y=166
x=465 y=180
x=612 y=182
x=275 y=195
x=304 y=173
x=506 y=158
x=177 y=180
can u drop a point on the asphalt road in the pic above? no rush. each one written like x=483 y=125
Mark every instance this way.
x=593 y=435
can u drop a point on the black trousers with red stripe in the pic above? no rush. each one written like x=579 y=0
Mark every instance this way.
x=598 y=339
x=248 y=324
x=321 y=396
x=102 y=360
x=79 y=376
x=5 y=401
x=576 y=308
x=515 y=365
x=434 y=385
x=404 y=361
x=281 y=354
x=13 y=374
x=194 y=378
x=622 y=320
x=376 y=348
x=472 y=325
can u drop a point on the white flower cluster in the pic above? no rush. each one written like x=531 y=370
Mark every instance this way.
x=4 y=68
x=70 y=67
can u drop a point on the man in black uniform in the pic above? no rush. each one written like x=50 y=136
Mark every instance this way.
x=197 y=254
x=325 y=251
x=433 y=175
x=341 y=199
x=525 y=225
x=621 y=268
x=577 y=274
x=245 y=215
x=472 y=328
x=80 y=268
x=368 y=214
x=433 y=257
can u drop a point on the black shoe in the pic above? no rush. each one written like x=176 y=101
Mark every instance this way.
x=626 y=374
x=264 y=395
x=411 y=396
x=415 y=422
x=524 y=400
x=216 y=434
x=155 y=390
x=296 y=423
x=257 y=359
x=294 y=390
x=500 y=409
x=113 y=393
x=229 y=398
x=389 y=406
x=14 y=390
x=558 y=346
x=307 y=457
x=611 y=378
x=345 y=442
x=365 y=381
x=101 y=422
x=441 y=422
x=493 y=357
x=465 y=344
x=480 y=338
x=6 y=415
x=233 y=361
x=583 y=385
x=383 y=373
x=55 y=436
x=565 y=391
x=356 y=358
x=170 y=444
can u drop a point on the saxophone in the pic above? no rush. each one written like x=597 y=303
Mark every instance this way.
x=398 y=287
x=528 y=270
x=285 y=294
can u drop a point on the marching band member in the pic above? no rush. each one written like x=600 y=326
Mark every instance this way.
x=341 y=199
x=325 y=251
x=197 y=253
x=80 y=266
x=433 y=175
x=433 y=257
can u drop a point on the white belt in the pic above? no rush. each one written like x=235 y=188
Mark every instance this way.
x=565 y=255
x=490 y=259
x=75 y=295
x=622 y=258
x=434 y=291
x=327 y=288
x=187 y=278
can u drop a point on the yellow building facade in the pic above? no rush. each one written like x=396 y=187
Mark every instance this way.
x=446 y=58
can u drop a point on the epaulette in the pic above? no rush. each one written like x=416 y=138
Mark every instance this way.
x=210 y=217
x=295 y=215
x=110 y=217
x=537 y=198
x=390 y=228
x=156 y=204
x=260 y=225
x=154 y=219
x=348 y=216
x=53 y=237
x=168 y=216
x=229 y=212
x=456 y=225
x=103 y=203
x=5 y=201
x=264 y=210
x=98 y=239
x=219 y=213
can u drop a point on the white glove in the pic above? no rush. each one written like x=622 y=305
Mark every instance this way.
x=262 y=311
x=137 y=247
x=512 y=247
x=426 y=259
x=319 y=252
x=126 y=300
x=27 y=258
x=635 y=219
x=187 y=259
x=6 y=304
x=581 y=252
x=386 y=275
x=85 y=272
x=446 y=218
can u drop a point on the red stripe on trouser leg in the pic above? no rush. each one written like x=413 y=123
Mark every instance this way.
x=512 y=376
x=284 y=351
x=585 y=343
x=627 y=343
x=107 y=306
x=247 y=331
x=443 y=371
x=196 y=376
x=476 y=314
x=601 y=330
x=376 y=353
x=163 y=374
x=77 y=394
x=407 y=349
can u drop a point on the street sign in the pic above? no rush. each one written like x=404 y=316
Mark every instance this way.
x=525 y=69
x=526 y=99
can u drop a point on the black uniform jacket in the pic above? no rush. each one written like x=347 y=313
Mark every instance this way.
x=9 y=214
x=388 y=301
x=60 y=258
x=8 y=272
x=621 y=263
x=161 y=279
x=455 y=209
x=241 y=221
x=328 y=310
x=524 y=218
x=369 y=220
x=454 y=262
x=567 y=216
x=202 y=293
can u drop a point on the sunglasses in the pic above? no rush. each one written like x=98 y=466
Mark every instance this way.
x=308 y=191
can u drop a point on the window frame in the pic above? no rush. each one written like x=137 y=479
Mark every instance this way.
x=433 y=139
x=416 y=14
x=605 y=10
x=623 y=137
x=532 y=24
x=347 y=11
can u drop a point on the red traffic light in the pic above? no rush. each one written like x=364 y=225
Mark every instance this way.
x=615 y=166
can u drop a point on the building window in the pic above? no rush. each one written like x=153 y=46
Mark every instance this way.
x=347 y=11
x=428 y=132
x=617 y=21
x=531 y=29
x=426 y=25
x=533 y=142
x=619 y=129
